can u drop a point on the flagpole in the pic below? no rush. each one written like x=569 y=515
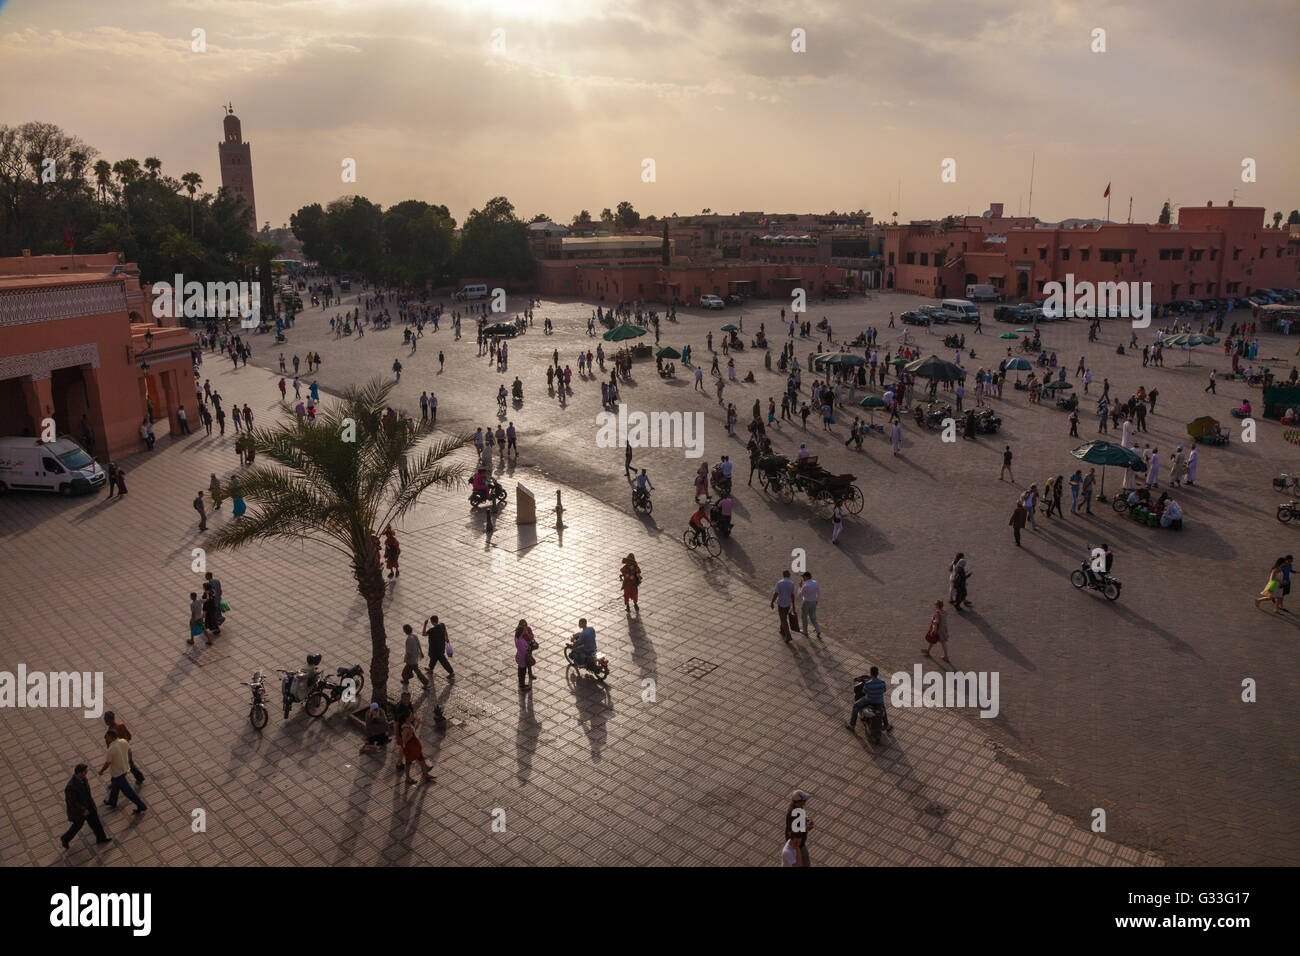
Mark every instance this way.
x=1108 y=205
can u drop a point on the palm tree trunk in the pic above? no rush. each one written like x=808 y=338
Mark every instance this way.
x=370 y=584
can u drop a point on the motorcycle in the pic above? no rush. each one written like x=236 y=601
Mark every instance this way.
x=1098 y=581
x=641 y=501
x=721 y=483
x=495 y=492
x=597 y=664
x=328 y=690
x=296 y=686
x=874 y=715
x=257 y=714
x=721 y=523
x=518 y=391
x=1288 y=511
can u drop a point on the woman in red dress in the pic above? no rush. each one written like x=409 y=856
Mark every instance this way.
x=392 y=550
x=413 y=751
x=630 y=575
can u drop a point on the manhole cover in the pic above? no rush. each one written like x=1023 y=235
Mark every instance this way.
x=697 y=667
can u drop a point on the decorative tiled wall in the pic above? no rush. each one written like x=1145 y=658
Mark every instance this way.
x=41 y=364
x=61 y=302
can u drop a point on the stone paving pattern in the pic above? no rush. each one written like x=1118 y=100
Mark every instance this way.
x=1130 y=707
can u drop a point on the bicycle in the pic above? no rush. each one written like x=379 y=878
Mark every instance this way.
x=257 y=714
x=694 y=539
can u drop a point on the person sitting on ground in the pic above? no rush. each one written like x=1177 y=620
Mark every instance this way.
x=376 y=730
x=1172 y=516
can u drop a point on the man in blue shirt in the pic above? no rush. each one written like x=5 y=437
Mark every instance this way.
x=584 y=643
x=1286 y=570
x=873 y=695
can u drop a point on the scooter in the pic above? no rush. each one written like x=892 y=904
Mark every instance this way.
x=1288 y=511
x=874 y=718
x=1099 y=581
x=495 y=491
x=597 y=664
x=641 y=501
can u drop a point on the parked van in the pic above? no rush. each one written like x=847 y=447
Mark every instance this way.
x=982 y=293
x=29 y=464
x=960 y=310
x=472 y=292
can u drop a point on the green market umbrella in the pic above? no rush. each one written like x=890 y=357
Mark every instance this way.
x=1107 y=453
x=838 y=358
x=669 y=352
x=620 y=332
x=729 y=327
x=936 y=369
x=1008 y=335
x=872 y=401
x=898 y=362
x=1018 y=365
x=1030 y=331
x=1058 y=386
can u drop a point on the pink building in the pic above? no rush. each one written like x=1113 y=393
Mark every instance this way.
x=1212 y=252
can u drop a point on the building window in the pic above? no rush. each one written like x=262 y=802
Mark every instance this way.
x=1042 y=254
x=1065 y=255
x=911 y=259
x=891 y=260
x=925 y=258
x=1196 y=255
x=1173 y=291
x=1214 y=254
x=1191 y=288
x=1084 y=255
x=1236 y=254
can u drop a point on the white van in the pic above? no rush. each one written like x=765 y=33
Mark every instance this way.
x=982 y=293
x=959 y=310
x=472 y=292
x=62 y=465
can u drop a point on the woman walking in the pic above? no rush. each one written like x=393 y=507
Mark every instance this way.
x=1273 y=589
x=525 y=644
x=938 y=632
x=702 y=481
x=630 y=575
x=237 y=497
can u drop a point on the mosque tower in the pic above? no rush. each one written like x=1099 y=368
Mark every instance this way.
x=237 y=163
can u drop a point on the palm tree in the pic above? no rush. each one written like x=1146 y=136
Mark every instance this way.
x=127 y=171
x=192 y=182
x=153 y=164
x=323 y=488
x=103 y=177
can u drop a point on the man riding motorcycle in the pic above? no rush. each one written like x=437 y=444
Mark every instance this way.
x=482 y=487
x=518 y=388
x=720 y=515
x=584 y=644
x=1108 y=560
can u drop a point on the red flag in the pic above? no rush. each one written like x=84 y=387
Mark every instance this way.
x=67 y=238
x=1106 y=194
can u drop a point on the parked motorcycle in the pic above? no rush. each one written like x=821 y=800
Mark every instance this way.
x=296 y=686
x=1098 y=581
x=328 y=690
x=257 y=714
x=597 y=664
x=1288 y=511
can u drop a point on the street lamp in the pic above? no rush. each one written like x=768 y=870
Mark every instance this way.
x=148 y=340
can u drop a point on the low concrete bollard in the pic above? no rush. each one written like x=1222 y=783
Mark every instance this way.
x=525 y=505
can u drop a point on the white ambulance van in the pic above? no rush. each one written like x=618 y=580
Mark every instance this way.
x=29 y=464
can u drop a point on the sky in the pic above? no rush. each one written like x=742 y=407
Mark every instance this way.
x=556 y=104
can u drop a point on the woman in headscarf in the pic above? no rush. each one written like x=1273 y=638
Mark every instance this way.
x=958 y=578
x=237 y=496
x=630 y=575
x=1191 y=466
x=392 y=551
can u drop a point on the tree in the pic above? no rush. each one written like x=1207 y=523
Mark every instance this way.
x=494 y=242
x=322 y=488
x=1166 y=213
x=582 y=219
x=192 y=182
x=606 y=216
x=627 y=216
x=1277 y=219
x=418 y=241
x=1294 y=218
x=540 y=217
x=152 y=164
x=310 y=228
x=103 y=179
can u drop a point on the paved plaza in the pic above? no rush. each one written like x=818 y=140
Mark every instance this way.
x=1132 y=707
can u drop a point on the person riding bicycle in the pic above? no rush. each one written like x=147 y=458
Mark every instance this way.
x=584 y=644
x=643 y=487
x=1108 y=561
x=699 y=519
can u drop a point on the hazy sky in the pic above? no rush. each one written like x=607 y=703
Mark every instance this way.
x=584 y=90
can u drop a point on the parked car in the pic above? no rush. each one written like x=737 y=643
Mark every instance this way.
x=914 y=318
x=735 y=299
x=711 y=302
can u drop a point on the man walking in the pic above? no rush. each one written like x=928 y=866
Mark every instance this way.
x=80 y=806
x=436 y=633
x=203 y=514
x=119 y=762
x=1006 y=465
x=810 y=594
x=783 y=601
x=119 y=728
x=1089 y=481
x=1210 y=388
x=1018 y=518
x=412 y=658
x=627 y=457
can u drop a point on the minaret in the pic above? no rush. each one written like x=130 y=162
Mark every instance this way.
x=237 y=164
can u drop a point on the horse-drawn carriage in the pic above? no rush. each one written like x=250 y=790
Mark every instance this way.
x=783 y=478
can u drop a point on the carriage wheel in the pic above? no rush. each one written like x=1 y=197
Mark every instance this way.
x=854 y=504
